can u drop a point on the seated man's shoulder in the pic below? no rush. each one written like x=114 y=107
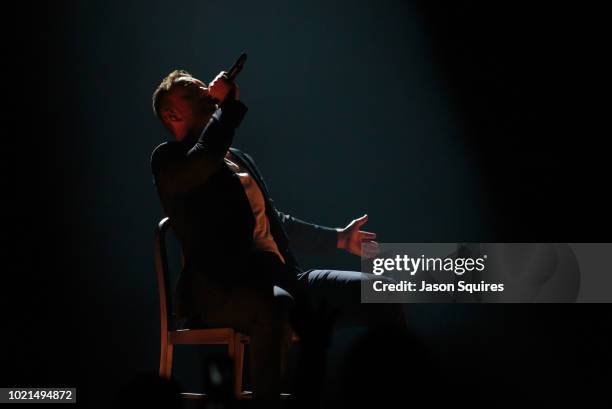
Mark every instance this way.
x=243 y=153
x=249 y=157
x=162 y=153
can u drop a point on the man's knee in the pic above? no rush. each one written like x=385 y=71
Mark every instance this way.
x=383 y=279
x=282 y=302
x=273 y=307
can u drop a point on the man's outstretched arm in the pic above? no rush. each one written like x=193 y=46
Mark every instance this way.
x=313 y=238
x=179 y=174
x=308 y=237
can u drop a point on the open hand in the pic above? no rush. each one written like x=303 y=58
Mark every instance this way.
x=356 y=241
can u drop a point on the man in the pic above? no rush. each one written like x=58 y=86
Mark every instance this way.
x=239 y=268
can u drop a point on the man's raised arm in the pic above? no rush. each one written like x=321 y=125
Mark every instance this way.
x=174 y=173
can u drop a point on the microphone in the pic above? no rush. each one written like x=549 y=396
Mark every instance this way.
x=237 y=67
x=234 y=71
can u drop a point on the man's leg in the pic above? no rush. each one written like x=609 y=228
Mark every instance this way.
x=263 y=314
x=340 y=293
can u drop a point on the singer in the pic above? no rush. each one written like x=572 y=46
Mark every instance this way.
x=240 y=270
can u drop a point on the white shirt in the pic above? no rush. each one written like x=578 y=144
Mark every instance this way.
x=262 y=237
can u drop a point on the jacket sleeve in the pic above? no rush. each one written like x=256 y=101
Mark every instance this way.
x=308 y=237
x=205 y=158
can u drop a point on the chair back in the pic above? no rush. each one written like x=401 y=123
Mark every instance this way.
x=162 y=272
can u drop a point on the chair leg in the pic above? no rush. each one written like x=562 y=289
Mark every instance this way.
x=162 y=356
x=237 y=355
x=165 y=362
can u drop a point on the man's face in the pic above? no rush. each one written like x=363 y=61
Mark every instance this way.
x=191 y=103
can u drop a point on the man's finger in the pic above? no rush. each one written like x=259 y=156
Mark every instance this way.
x=370 y=249
x=366 y=235
x=361 y=220
x=370 y=244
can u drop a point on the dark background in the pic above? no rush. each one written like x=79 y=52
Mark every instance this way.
x=444 y=121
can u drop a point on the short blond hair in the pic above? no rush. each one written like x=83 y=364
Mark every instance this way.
x=163 y=90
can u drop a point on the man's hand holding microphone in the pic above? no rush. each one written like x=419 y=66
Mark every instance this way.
x=222 y=88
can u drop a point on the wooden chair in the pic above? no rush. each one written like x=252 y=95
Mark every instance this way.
x=170 y=337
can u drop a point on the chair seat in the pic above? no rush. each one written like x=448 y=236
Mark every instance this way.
x=210 y=336
x=204 y=336
x=195 y=324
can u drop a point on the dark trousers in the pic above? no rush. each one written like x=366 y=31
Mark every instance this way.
x=268 y=313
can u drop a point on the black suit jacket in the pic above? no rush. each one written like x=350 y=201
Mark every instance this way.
x=211 y=215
